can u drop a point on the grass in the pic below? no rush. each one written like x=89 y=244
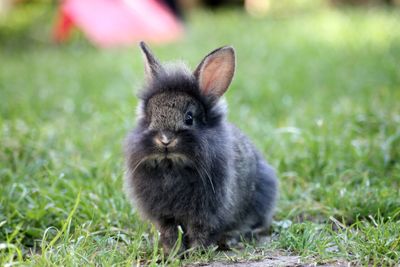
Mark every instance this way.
x=318 y=91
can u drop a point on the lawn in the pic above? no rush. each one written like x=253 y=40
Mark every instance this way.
x=317 y=90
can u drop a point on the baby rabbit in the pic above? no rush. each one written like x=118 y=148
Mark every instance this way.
x=186 y=165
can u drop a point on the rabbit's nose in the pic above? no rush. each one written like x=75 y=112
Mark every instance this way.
x=166 y=139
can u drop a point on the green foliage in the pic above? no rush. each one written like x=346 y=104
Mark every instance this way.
x=318 y=92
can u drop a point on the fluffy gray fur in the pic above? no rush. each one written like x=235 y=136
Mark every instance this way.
x=187 y=166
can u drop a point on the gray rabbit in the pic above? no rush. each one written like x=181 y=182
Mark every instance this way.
x=186 y=165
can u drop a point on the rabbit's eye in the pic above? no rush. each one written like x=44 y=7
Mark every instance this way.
x=189 y=118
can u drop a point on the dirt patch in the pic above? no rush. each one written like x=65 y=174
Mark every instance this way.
x=265 y=258
x=270 y=261
x=283 y=260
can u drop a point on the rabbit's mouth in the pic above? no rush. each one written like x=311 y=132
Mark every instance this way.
x=166 y=152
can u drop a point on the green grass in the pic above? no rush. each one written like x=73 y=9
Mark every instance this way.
x=318 y=91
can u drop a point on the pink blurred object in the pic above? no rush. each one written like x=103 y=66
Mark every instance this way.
x=118 y=22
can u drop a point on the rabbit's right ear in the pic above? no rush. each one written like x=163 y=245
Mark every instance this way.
x=151 y=64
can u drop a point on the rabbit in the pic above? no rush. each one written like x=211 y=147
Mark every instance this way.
x=186 y=165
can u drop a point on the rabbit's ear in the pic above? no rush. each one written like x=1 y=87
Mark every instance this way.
x=151 y=64
x=215 y=72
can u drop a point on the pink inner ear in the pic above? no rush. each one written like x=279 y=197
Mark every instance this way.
x=217 y=73
x=211 y=73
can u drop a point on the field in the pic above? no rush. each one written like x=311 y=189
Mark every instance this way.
x=317 y=90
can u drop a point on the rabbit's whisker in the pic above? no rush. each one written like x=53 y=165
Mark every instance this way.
x=139 y=163
x=180 y=158
x=204 y=170
x=209 y=177
x=200 y=173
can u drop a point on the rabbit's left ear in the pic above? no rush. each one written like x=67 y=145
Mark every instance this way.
x=152 y=66
x=215 y=72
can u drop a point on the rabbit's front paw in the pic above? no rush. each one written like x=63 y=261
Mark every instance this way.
x=200 y=238
x=169 y=239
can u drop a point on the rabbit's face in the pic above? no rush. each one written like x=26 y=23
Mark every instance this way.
x=173 y=122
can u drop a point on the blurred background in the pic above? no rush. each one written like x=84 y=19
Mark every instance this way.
x=317 y=88
x=107 y=23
